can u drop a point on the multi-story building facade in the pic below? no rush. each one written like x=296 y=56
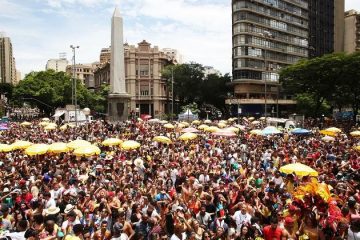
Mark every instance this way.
x=271 y=34
x=58 y=65
x=267 y=35
x=326 y=27
x=352 y=31
x=84 y=72
x=7 y=61
x=105 y=55
x=148 y=89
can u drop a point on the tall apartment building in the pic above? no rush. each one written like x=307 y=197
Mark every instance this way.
x=326 y=27
x=58 y=65
x=143 y=66
x=7 y=61
x=267 y=35
x=352 y=31
x=105 y=55
x=271 y=34
x=84 y=72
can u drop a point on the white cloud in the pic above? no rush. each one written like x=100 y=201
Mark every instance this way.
x=352 y=4
x=202 y=33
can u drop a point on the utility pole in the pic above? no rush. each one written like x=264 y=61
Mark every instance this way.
x=74 y=81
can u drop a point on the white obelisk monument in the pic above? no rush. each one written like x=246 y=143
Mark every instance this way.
x=118 y=99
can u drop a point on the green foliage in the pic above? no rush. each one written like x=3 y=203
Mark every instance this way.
x=332 y=79
x=192 y=106
x=191 y=85
x=307 y=106
x=48 y=90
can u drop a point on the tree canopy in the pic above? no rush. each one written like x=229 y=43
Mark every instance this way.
x=332 y=79
x=48 y=90
x=192 y=86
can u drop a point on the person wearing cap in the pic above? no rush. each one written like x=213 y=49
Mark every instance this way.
x=289 y=231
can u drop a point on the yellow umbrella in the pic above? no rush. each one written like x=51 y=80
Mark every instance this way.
x=211 y=129
x=25 y=124
x=357 y=148
x=196 y=122
x=37 y=149
x=255 y=122
x=169 y=126
x=188 y=136
x=251 y=118
x=5 y=148
x=162 y=139
x=328 y=139
x=50 y=127
x=256 y=132
x=221 y=125
x=180 y=125
x=203 y=126
x=130 y=144
x=19 y=144
x=232 y=129
x=112 y=142
x=87 y=151
x=331 y=131
x=58 y=147
x=163 y=121
x=186 y=124
x=299 y=169
x=207 y=121
x=45 y=119
x=355 y=133
x=78 y=143
x=43 y=123
x=68 y=125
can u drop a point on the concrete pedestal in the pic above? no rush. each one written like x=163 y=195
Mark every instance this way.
x=118 y=107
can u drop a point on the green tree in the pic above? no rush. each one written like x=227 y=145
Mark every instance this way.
x=48 y=90
x=319 y=77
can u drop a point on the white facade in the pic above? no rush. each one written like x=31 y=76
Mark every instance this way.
x=58 y=65
x=173 y=54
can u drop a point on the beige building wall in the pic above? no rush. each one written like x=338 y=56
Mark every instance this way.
x=58 y=65
x=143 y=66
x=84 y=72
x=352 y=31
x=7 y=61
x=339 y=22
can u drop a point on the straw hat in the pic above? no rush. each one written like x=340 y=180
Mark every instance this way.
x=52 y=210
x=69 y=208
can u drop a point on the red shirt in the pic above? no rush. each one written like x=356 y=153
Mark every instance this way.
x=271 y=234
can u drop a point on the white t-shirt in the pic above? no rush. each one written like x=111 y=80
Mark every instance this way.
x=240 y=219
x=174 y=237
x=353 y=235
x=16 y=235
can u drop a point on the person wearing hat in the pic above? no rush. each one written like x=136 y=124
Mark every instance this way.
x=289 y=231
x=71 y=220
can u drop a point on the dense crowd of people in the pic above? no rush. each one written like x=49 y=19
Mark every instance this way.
x=211 y=187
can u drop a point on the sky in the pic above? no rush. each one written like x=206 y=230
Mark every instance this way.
x=41 y=29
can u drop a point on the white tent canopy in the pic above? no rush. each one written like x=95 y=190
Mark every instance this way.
x=187 y=116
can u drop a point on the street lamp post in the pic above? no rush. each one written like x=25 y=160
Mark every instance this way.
x=172 y=92
x=266 y=35
x=74 y=81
